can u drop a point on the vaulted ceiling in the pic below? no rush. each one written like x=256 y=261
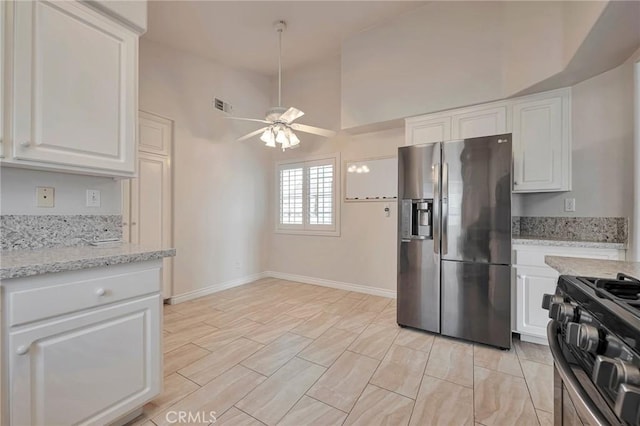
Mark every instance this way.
x=240 y=33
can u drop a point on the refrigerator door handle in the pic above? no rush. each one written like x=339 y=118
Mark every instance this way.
x=445 y=206
x=436 y=208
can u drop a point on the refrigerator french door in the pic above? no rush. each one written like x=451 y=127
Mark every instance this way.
x=456 y=279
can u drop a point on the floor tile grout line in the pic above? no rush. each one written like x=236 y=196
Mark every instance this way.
x=241 y=410
x=421 y=378
x=526 y=383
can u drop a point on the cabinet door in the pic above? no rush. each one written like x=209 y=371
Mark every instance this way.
x=75 y=88
x=150 y=208
x=541 y=144
x=479 y=122
x=155 y=133
x=531 y=285
x=89 y=368
x=427 y=130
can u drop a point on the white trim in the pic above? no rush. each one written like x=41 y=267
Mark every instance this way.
x=216 y=288
x=359 y=288
x=534 y=339
x=634 y=253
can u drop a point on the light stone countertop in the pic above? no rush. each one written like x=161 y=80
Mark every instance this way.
x=24 y=263
x=552 y=242
x=597 y=268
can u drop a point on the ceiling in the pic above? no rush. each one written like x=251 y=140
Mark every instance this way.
x=241 y=34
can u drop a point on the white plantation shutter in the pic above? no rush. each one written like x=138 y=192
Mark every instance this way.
x=307 y=202
x=291 y=195
x=320 y=197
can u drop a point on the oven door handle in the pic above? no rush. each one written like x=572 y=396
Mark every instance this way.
x=570 y=380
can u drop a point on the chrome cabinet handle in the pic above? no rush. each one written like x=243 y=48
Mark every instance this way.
x=100 y=292
x=522 y=277
x=25 y=144
x=22 y=350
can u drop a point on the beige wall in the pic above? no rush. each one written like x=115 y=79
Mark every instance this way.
x=437 y=57
x=602 y=152
x=365 y=252
x=219 y=184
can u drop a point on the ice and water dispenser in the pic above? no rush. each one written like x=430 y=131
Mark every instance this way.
x=417 y=219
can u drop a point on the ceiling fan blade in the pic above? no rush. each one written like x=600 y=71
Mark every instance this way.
x=249 y=119
x=291 y=114
x=313 y=130
x=252 y=134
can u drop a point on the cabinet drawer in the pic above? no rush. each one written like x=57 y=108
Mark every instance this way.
x=81 y=290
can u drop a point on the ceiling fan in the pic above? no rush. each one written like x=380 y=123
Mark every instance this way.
x=280 y=120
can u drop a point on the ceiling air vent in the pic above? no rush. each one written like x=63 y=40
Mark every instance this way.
x=221 y=105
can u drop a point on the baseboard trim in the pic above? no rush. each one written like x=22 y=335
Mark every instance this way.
x=216 y=288
x=332 y=284
x=534 y=339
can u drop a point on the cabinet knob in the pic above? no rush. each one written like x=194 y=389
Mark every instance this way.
x=22 y=350
x=124 y=223
x=521 y=277
x=133 y=223
x=100 y=292
x=25 y=144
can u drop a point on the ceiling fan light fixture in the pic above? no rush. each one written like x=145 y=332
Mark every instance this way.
x=281 y=137
x=293 y=139
x=268 y=138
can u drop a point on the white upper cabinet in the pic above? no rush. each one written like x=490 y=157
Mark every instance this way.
x=74 y=90
x=478 y=121
x=541 y=142
x=154 y=134
x=541 y=134
x=428 y=129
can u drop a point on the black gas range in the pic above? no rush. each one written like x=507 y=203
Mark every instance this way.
x=595 y=341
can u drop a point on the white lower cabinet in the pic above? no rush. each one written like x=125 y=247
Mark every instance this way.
x=533 y=278
x=90 y=366
x=531 y=284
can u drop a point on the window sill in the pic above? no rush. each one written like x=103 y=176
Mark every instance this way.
x=308 y=232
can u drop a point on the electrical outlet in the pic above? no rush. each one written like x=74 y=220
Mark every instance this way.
x=45 y=196
x=569 y=204
x=93 y=198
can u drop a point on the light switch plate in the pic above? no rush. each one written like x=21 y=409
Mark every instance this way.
x=569 y=204
x=93 y=198
x=45 y=196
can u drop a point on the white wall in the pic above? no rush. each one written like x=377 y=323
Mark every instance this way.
x=602 y=127
x=365 y=252
x=437 y=57
x=220 y=193
x=18 y=193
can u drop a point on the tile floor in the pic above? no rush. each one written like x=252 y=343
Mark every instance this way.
x=283 y=353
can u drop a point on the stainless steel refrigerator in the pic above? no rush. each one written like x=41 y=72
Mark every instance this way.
x=454 y=232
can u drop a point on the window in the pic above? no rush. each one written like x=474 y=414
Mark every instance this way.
x=307 y=197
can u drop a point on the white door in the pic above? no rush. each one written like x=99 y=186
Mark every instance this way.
x=531 y=284
x=427 y=130
x=54 y=368
x=75 y=88
x=150 y=209
x=541 y=145
x=479 y=122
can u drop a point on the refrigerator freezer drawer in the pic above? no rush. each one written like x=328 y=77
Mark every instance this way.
x=419 y=285
x=476 y=302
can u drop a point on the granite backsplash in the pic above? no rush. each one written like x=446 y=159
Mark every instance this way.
x=597 y=229
x=24 y=232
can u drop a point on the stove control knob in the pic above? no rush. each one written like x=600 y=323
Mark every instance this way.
x=563 y=312
x=550 y=299
x=583 y=336
x=628 y=404
x=612 y=373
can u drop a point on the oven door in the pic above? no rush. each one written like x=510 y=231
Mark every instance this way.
x=576 y=399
